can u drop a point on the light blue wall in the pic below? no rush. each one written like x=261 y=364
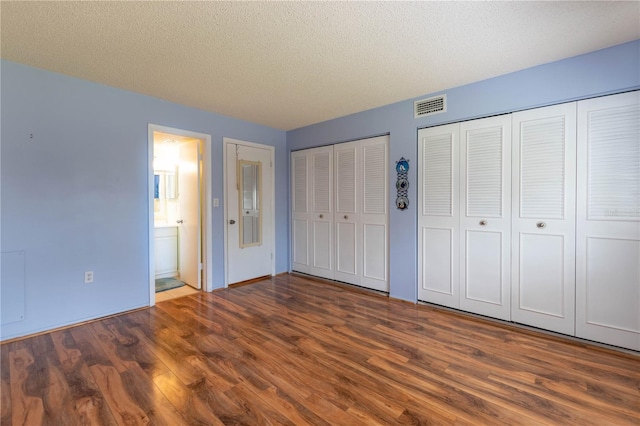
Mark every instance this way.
x=607 y=71
x=74 y=198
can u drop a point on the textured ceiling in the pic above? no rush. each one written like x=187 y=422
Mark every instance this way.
x=291 y=64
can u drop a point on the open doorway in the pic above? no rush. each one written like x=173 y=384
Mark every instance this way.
x=179 y=214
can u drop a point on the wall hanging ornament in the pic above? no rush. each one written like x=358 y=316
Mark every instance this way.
x=402 y=184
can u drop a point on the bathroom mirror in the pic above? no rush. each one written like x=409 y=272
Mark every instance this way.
x=170 y=185
x=249 y=187
x=165 y=185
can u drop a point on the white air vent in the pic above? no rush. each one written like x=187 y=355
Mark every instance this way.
x=434 y=105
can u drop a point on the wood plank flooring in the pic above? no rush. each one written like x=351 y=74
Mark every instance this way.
x=291 y=350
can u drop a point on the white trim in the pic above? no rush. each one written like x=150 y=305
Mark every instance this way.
x=225 y=143
x=206 y=223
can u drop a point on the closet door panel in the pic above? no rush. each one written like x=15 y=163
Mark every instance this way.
x=374 y=273
x=321 y=217
x=437 y=266
x=300 y=245
x=611 y=288
x=541 y=286
x=439 y=215
x=543 y=224
x=321 y=246
x=300 y=230
x=348 y=251
x=373 y=218
x=485 y=219
x=484 y=280
x=608 y=220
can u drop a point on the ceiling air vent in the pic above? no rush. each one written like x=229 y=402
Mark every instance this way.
x=429 y=106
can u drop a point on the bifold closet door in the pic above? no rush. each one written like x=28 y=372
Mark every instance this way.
x=348 y=252
x=608 y=220
x=300 y=228
x=543 y=224
x=312 y=228
x=321 y=215
x=439 y=215
x=485 y=219
x=373 y=220
x=361 y=213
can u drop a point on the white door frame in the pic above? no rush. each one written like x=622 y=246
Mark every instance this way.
x=207 y=284
x=229 y=141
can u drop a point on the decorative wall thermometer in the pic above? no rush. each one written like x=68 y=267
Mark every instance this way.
x=402 y=184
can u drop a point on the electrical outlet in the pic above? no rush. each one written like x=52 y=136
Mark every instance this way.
x=88 y=277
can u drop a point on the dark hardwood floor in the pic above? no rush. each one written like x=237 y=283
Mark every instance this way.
x=292 y=350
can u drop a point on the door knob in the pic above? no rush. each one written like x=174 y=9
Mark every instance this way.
x=180 y=221
x=346 y=217
x=483 y=222
x=231 y=222
x=541 y=225
x=321 y=216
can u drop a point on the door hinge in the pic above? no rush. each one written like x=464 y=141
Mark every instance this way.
x=201 y=266
x=271 y=256
x=270 y=163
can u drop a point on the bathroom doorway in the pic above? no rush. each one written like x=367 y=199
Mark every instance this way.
x=179 y=212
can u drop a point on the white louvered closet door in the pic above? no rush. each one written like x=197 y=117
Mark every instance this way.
x=348 y=252
x=321 y=215
x=439 y=215
x=485 y=218
x=300 y=229
x=608 y=220
x=543 y=246
x=374 y=235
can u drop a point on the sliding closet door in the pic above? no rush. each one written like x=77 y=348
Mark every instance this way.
x=438 y=215
x=485 y=219
x=543 y=248
x=348 y=251
x=374 y=215
x=608 y=233
x=300 y=227
x=321 y=214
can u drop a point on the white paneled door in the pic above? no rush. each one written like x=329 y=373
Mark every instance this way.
x=321 y=217
x=300 y=227
x=608 y=220
x=347 y=218
x=439 y=215
x=543 y=224
x=361 y=212
x=312 y=202
x=189 y=211
x=373 y=220
x=485 y=217
x=249 y=204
